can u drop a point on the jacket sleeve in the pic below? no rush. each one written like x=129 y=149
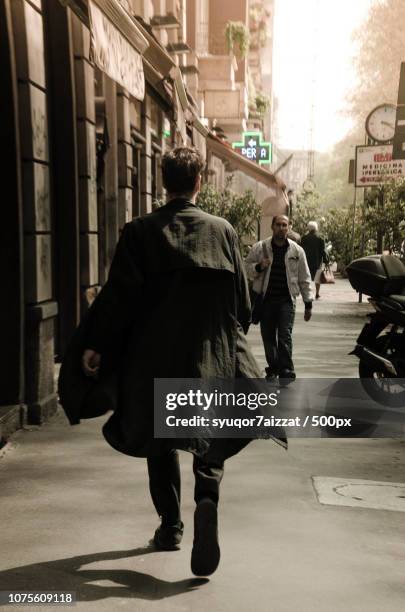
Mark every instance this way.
x=252 y=259
x=304 y=278
x=119 y=301
x=242 y=289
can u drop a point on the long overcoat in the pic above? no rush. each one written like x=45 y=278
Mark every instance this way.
x=175 y=305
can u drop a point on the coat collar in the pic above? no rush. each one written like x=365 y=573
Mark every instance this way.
x=180 y=203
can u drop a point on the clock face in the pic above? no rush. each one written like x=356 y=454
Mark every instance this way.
x=380 y=124
x=308 y=185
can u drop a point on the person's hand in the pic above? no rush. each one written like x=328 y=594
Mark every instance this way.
x=307 y=314
x=91 y=362
x=264 y=263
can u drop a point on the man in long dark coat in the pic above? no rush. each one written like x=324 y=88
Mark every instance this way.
x=176 y=305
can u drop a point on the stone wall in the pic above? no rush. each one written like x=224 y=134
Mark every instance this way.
x=87 y=167
x=34 y=134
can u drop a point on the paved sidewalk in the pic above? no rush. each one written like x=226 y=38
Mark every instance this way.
x=321 y=346
x=76 y=515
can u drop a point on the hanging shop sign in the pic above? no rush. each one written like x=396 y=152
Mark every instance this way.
x=375 y=166
x=254 y=148
x=114 y=55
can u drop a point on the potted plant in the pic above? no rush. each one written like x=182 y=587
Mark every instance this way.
x=236 y=33
x=262 y=103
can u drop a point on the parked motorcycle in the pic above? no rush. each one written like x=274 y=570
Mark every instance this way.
x=381 y=344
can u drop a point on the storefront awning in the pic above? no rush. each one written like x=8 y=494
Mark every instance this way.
x=180 y=88
x=161 y=88
x=155 y=54
x=115 y=12
x=199 y=126
x=187 y=107
x=224 y=152
x=117 y=42
x=158 y=66
x=114 y=50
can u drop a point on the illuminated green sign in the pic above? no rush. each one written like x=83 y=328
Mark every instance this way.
x=166 y=127
x=253 y=148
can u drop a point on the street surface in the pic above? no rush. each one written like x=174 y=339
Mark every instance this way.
x=76 y=515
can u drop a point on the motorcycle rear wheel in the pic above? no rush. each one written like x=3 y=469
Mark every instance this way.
x=382 y=388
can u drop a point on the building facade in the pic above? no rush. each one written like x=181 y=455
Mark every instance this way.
x=94 y=92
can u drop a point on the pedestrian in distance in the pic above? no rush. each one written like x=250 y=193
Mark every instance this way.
x=314 y=247
x=279 y=270
x=176 y=305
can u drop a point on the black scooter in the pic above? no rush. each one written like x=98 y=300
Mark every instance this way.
x=381 y=344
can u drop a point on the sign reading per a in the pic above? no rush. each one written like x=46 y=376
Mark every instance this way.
x=253 y=148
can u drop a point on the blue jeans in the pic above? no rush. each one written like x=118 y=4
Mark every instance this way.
x=276 y=328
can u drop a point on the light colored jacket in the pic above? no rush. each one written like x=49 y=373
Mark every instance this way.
x=297 y=271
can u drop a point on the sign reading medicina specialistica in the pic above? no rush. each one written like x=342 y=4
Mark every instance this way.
x=113 y=54
x=375 y=166
x=254 y=148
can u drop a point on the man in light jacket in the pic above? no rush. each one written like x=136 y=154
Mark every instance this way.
x=279 y=270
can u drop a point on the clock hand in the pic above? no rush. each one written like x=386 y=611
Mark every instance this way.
x=388 y=124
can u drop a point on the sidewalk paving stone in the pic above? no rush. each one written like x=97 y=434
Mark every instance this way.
x=76 y=515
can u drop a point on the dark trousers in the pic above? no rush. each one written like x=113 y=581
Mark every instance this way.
x=164 y=477
x=276 y=328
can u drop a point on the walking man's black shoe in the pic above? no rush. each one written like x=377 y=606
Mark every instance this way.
x=168 y=538
x=286 y=377
x=205 y=554
x=288 y=374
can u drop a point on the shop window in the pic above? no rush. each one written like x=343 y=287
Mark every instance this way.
x=138 y=144
x=157 y=189
x=135 y=114
x=154 y=116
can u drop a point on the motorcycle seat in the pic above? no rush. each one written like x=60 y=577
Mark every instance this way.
x=399 y=299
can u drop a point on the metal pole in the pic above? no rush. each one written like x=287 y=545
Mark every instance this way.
x=354 y=220
x=380 y=233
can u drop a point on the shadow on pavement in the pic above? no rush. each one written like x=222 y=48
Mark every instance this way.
x=66 y=575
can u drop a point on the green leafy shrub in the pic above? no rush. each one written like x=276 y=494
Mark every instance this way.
x=242 y=211
x=236 y=33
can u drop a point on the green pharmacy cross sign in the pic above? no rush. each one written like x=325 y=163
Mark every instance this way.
x=253 y=148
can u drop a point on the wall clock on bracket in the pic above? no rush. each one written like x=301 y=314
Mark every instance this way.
x=309 y=185
x=380 y=123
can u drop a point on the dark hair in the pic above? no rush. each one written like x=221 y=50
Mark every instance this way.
x=274 y=219
x=181 y=168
